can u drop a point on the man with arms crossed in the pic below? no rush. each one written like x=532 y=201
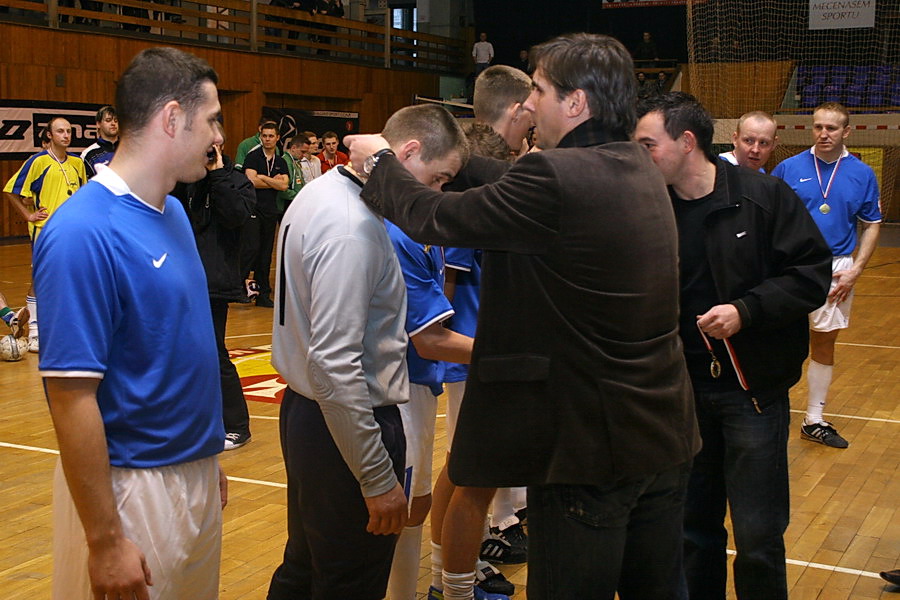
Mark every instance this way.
x=340 y=344
x=839 y=191
x=138 y=498
x=753 y=140
x=751 y=265
x=577 y=344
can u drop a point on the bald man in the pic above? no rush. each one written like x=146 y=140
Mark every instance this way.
x=753 y=140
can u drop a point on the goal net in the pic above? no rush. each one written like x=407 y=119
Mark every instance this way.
x=788 y=56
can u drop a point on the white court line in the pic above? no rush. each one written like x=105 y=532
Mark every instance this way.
x=790 y=561
x=803 y=412
x=868 y=345
x=823 y=567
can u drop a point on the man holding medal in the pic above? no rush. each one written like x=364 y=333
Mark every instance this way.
x=839 y=190
x=752 y=265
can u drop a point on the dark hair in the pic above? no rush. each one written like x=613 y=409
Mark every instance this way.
x=157 y=76
x=682 y=112
x=269 y=125
x=433 y=126
x=329 y=134
x=105 y=111
x=599 y=65
x=298 y=140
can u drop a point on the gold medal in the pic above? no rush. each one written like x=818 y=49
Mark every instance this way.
x=824 y=209
x=715 y=367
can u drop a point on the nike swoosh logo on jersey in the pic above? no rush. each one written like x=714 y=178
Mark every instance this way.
x=805 y=180
x=159 y=261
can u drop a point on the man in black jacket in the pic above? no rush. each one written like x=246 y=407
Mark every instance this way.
x=753 y=264
x=219 y=205
x=576 y=349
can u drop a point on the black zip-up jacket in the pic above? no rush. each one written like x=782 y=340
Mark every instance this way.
x=218 y=206
x=769 y=260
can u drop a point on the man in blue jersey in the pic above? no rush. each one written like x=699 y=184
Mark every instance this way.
x=839 y=191
x=339 y=341
x=754 y=139
x=102 y=151
x=138 y=492
x=431 y=343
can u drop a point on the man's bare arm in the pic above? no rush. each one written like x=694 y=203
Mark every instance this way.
x=21 y=204
x=116 y=566
x=846 y=279
x=436 y=342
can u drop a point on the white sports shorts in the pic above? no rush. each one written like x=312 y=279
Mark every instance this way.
x=174 y=516
x=418 y=425
x=833 y=315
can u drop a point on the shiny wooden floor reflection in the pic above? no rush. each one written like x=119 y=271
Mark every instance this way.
x=845 y=520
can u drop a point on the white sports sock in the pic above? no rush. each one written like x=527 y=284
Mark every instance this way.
x=437 y=566
x=503 y=514
x=405 y=567
x=519 y=497
x=31 y=303
x=818 y=377
x=459 y=586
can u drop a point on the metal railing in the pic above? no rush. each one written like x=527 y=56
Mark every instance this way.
x=249 y=25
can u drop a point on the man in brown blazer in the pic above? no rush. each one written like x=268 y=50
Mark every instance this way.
x=577 y=341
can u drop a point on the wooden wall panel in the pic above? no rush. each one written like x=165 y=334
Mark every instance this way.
x=729 y=90
x=31 y=58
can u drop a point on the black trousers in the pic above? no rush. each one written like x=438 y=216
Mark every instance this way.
x=234 y=405
x=329 y=553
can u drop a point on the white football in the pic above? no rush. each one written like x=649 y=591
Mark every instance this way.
x=12 y=349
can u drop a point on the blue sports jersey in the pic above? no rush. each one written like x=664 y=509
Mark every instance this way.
x=423 y=273
x=123 y=298
x=467 y=263
x=853 y=195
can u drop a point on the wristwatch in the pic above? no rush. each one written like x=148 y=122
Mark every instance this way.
x=371 y=161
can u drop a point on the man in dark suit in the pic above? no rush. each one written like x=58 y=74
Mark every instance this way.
x=577 y=340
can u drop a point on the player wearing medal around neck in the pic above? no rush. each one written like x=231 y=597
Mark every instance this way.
x=752 y=266
x=839 y=190
x=44 y=182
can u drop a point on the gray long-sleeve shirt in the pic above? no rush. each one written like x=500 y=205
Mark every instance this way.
x=339 y=334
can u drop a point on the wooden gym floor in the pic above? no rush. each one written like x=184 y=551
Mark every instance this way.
x=845 y=518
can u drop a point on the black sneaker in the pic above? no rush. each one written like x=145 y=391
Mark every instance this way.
x=491 y=580
x=522 y=515
x=891 y=576
x=236 y=440
x=264 y=301
x=823 y=433
x=506 y=547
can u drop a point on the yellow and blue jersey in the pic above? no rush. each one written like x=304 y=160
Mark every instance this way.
x=47 y=182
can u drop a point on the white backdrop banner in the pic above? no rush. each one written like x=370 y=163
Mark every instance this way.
x=22 y=121
x=841 y=14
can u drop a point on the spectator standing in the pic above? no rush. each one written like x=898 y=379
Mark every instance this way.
x=137 y=493
x=840 y=192
x=102 y=151
x=330 y=156
x=268 y=173
x=483 y=53
x=218 y=206
x=645 y=53
x=751 y=265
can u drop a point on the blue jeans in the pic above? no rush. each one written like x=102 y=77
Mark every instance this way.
x=590 y=541
x=743 y=462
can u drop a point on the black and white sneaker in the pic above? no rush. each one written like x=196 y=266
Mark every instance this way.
x=823 y=433
x=236 y=440
x=507 y=546
x=491 y=580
